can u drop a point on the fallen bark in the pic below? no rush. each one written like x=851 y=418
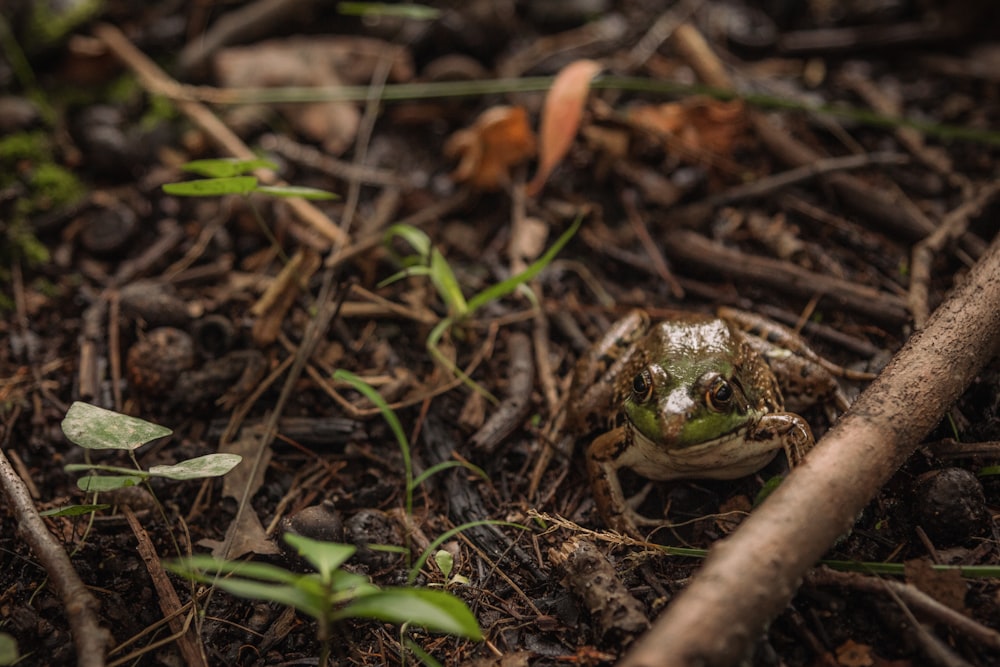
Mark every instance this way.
x=750 y=577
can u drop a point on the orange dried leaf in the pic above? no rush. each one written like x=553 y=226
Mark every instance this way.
x=561 y=117
x=699 y=124
x=499 y=140
x=853 y=654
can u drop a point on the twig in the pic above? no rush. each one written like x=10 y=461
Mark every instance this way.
x=750 y=577
x=687 y=247
x=629 y=203
x=514 y=408
x=156 y=81
x=91 y=640
x=913 y=597
x=952 y=228
x=188 y=644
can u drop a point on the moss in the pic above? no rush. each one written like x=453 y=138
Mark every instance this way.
x=53 y=186
x=50 y=22
x=34 y=146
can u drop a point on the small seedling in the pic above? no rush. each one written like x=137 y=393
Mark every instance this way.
x=95 y=428
x=429 y=261
x=332 y=594
x=404 y=443
x=231 y=177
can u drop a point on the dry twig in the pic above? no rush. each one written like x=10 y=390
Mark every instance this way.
x=91 y=640
x=750 y=576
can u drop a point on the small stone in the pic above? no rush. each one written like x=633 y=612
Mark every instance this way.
x=950 y=505
x=154 y=363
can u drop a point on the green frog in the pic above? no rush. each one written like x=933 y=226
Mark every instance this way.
x=700 y=398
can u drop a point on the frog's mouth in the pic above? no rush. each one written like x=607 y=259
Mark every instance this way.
x=728 y=456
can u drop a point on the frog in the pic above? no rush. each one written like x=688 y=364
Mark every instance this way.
x=696 y=396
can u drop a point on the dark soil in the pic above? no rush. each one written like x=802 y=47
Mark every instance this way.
x=159 y=307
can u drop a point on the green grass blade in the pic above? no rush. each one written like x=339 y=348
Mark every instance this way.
x=384 y=9
x=74 y=510
x=295 y=191
x=446 y=465
x=505 y=287
x=226 y=167
x=390 y=417
x=213 y=187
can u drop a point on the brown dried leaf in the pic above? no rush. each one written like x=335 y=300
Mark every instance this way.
x=946 y=586
x=699 y=124
x=853 y=654
x=499 y=140
x=561 y=117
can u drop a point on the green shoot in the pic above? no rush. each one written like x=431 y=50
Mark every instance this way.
x=392 y=420
x=429 y=261
x=95 y=428
x=331 y=594
x=227 y=177
x=384 y=9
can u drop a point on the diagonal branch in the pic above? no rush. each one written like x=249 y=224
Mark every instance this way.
x=750 y=577
x=91 y=640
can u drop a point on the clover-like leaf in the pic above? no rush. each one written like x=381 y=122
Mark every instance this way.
x=210 y=465
x=92 y=427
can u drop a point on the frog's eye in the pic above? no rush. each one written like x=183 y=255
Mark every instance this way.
x=720 y=395
x=642 y=386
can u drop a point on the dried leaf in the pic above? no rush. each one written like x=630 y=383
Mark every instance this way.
x=699 y=124
x=561 y=117
x=852 y=654
x=499 y=140
x=946 y=586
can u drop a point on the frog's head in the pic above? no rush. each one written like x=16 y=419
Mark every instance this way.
x=691 y=388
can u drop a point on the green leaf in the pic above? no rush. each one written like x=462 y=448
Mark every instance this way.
x=447 y=535
x=391 y=419
x=438 y=611
x=292 y=596
x=195 y=567
x=8 y=649
x=213 y=187
x=295 y=191
x=446 y=283
x=380 y=9
x=226 y=167
x=74 y=510
x=445 y=562
x=92 y=427
x=505 y=287
x=417 y=239
x=446 y=465
x=100 y=483
x=326 y=557
x=210 y=465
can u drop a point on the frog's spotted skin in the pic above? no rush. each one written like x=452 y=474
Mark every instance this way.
x=699 y=400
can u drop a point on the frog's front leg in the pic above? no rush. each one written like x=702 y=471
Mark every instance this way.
x=785 y=430
x=605 y=455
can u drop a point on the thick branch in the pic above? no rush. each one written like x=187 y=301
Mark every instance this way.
x=751 y=576
x=90 y=639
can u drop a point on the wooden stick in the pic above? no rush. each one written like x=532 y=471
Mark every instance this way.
x=90 y=639
x=750 y=577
